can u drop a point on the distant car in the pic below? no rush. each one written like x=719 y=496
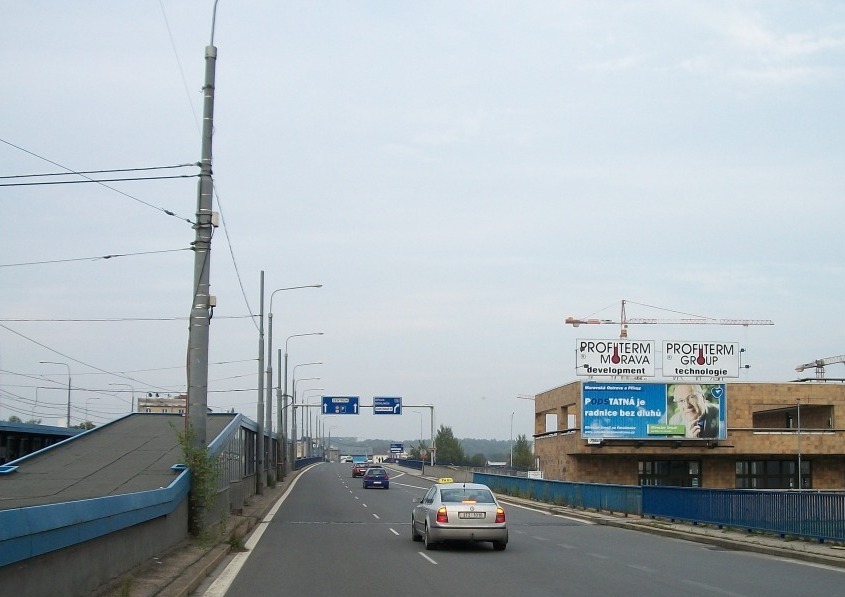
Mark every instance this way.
x=347 y=459
x=459 y=512
x=376 y=476
x=358 y=469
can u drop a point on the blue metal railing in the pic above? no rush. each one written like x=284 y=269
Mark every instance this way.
x=819 y=516
x=810 y=515
x=625 y=499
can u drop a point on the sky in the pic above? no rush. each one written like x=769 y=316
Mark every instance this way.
x=459 y=176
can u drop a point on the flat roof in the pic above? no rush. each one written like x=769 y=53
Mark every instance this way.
x=131 y=454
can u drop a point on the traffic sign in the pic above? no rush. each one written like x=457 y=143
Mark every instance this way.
x=340 y=405
x=387 y=406
x=396 y=448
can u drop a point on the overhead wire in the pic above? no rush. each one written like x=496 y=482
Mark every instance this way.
x=72 y=171
x=111 y=256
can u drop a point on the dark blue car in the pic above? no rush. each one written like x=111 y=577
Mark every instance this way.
x=376 y=477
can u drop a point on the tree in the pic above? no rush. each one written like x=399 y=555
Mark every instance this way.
x=523 y=458
x=416 y=451
x=449 y=450
x=478 y=460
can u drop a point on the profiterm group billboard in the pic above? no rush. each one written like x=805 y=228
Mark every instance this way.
x=630 y=358
x=700 y=359
x=641 y=411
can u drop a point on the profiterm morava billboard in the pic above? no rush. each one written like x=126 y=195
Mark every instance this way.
x=641 y=411
x=631 y=358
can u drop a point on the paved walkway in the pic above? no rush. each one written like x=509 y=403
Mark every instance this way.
x=179 y=572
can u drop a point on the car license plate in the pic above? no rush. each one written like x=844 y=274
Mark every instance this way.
x=376 y=482
x=470 y=514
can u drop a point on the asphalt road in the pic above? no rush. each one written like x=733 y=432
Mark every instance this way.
x=330 y=536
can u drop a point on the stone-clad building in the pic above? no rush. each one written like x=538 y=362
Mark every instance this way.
x=769 y=428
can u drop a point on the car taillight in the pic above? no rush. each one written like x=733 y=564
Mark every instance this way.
x=441 y=514
x=500 y=514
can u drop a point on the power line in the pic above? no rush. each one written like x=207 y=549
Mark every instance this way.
x=97 y=181
x=112 y=256
x=111 y=319
x=127 y=195
x=145 y=169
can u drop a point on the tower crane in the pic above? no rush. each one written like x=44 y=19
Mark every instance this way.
x=625 y=321
x=819 y=364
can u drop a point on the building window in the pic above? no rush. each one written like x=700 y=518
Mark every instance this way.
x=675 y=473
x=772 y=474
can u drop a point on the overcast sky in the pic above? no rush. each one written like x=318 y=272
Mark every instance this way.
x=460 y=177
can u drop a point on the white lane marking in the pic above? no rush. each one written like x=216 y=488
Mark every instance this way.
x=540 y=538
x=600 y=556
x=513 y=505
x=427 y=558
x=642 y=568
x=376 y=515
x=395 y=532
x=365 y=505
x=219 y=587
x=710 y=588
x=566 y=546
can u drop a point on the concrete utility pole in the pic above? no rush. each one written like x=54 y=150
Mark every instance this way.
x=202 y=302
x=260 y=417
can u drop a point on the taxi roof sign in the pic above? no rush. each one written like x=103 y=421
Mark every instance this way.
x=445 y=480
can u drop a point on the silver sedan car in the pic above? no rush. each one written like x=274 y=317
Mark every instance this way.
x=459 y=512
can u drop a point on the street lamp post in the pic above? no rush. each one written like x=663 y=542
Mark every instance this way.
x=68 y=386
x=269 y=388
x=87 y=400
x=132 y=389
x=307 y=405
x=293 y=415
x=283 y=408
x=512 y=414
x=330 y=440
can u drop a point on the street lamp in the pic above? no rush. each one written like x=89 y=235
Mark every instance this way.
x=419 y=414
x=293 y=417
x=87 y=400
x=68 y=386
x=512 y=414
x=282 y=409
x=132 y=389
x=269 y=407
x=306 y=403
x=330 y=440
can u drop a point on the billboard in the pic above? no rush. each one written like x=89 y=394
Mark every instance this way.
x=630 y=358
x=645 y=411
x=700 y=359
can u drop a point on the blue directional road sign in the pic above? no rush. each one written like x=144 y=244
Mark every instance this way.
x=340 y=405
x=387 y=406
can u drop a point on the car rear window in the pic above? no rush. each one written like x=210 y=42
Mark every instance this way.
x=479 y=496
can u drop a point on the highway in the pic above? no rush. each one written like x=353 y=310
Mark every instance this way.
x=329 y=536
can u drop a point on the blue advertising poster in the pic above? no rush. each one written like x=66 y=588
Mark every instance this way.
x=640 y=411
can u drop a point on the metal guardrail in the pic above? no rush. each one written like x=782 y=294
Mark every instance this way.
x=626 y=499
x=818 y=516
x=812 y=515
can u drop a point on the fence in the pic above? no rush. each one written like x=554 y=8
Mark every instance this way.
x=819 y=516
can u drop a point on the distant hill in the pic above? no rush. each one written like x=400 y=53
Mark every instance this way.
x=491 y=449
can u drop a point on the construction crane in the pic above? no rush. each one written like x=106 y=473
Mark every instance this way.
x=625 y=321
x=820 y=364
